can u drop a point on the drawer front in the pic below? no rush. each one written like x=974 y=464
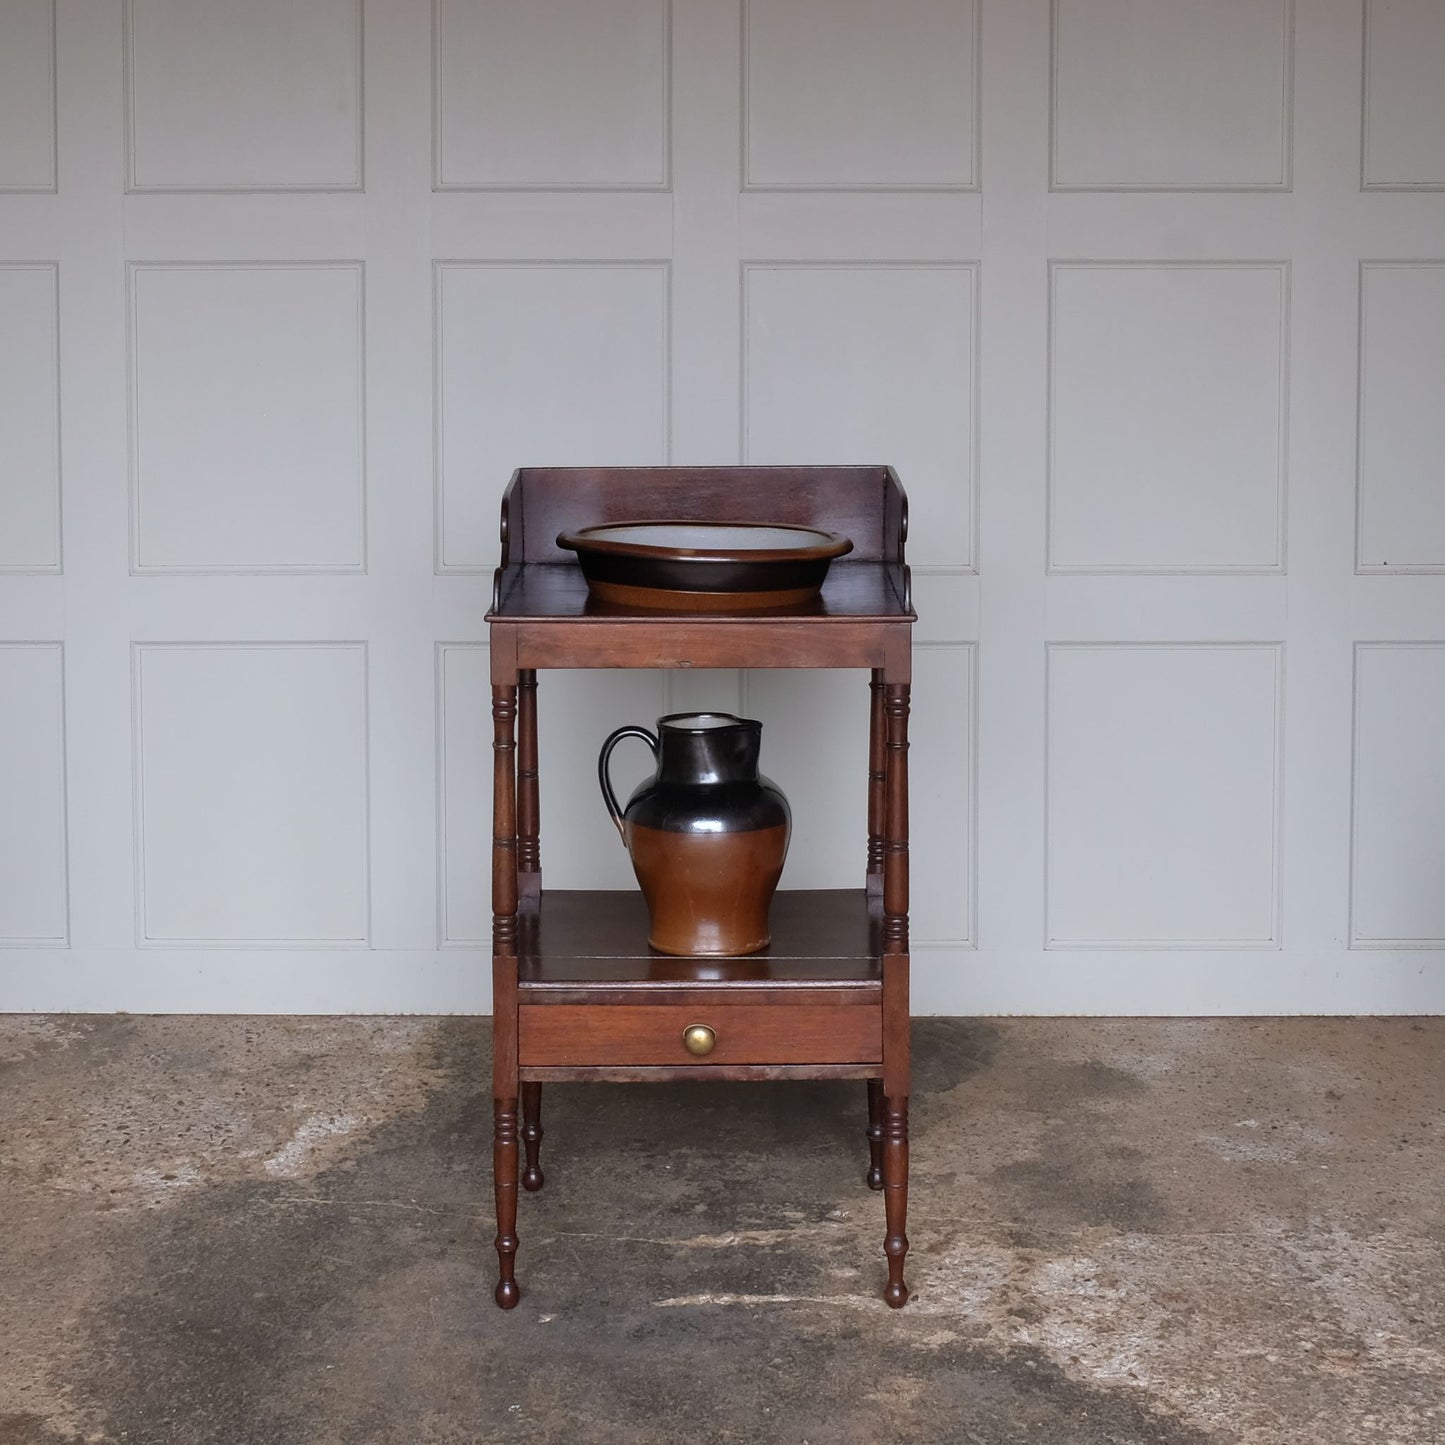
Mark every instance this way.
x=559 y=1034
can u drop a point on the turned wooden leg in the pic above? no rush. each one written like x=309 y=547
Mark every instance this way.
x=875 y=1134
x=895 y=987
x=895 y=840
x=504 y=1167
x=895 y=1196
x=532 y=1178
x=877 y=782
x=529 y=809
x=504 y=985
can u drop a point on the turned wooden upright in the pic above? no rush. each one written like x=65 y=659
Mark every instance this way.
x=577 y=993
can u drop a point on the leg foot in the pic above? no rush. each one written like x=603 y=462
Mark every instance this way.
x=874 y=1176
x=504 y=1167
x=895 y=1197
x=532 y=1177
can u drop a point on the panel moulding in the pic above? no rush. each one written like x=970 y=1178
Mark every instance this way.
x=1125 y=184
x=318 y=187
x=1171 y=945
x=662 y=184
x=142 y=940
x=1143 y=569
x=967 y=566
x=140 y=568
x=970 y=184
x=1356 y=939
x=58 y=565
x=62 y=940
x=1362 y=567
x=1366 y=184
x=50 y=185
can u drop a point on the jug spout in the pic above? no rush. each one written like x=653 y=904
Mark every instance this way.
x=699 y=748
x=707 y=833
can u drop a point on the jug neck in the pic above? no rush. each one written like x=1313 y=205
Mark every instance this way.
x=707 y=747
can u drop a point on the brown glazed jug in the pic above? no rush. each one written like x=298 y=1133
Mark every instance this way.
x=707 y=833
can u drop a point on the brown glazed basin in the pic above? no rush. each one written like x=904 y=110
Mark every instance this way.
x=704 y=566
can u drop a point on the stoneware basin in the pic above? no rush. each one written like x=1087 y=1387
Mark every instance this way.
x=704 y=566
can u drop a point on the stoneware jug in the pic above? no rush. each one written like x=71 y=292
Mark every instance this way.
x=707 y=833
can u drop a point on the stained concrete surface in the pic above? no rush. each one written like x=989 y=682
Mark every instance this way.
x=263 y=1231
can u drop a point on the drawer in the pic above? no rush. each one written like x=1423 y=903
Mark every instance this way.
x=561 y=1034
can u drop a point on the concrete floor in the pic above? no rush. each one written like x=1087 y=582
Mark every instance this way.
x=263 y=1231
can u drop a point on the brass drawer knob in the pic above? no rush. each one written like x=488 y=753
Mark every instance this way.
x=698 y=1039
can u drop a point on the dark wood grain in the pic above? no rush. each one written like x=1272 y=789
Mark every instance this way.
x=895 y=1197
x=529 y=807
x=513 y=527
x=877 y=781
x=504 y=989
x=834 y=926
x=720 y=642
x=577 y=993
x=896 y=1052
x=504 y=821
x=652 y=1034
x=856 y=501
x=532 y=1177
x=896 y=1047
x=676 y=1074
x=895 y=840
x=821 y=993
x=504 y=896
x=874 y=1177
x=504 y=1177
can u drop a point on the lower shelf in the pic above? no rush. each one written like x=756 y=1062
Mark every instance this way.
x=595 y=1002
x=824 y=939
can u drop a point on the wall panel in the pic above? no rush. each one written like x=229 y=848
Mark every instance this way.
x=34 y=903
x=561 y=94
x=857 y=97
x=1168 y=417
x=1402 y=423
x=1142 y=298
x=27 y=96
x=1397 y=845
x=1163 y=782
x=1171 y=95
x=1404 y=122
x=264 y=96
x=247 y=418
x=29 y=419
x=251 y=784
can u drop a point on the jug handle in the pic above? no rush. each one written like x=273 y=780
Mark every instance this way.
x=605 y=756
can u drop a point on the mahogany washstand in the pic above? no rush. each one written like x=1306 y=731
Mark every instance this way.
x=577 y=993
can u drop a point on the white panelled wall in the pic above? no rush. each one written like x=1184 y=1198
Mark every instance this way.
x=1145 y=300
